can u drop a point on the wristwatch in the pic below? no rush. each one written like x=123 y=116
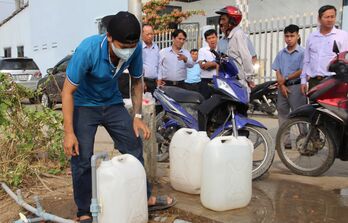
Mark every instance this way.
x=140 y=116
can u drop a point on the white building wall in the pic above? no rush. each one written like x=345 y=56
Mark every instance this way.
x=16 y=32
x=6 y=8
x=345 y=18
x=49 y=30
x=59 y=26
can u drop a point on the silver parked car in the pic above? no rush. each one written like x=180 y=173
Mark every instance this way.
x=23 y=71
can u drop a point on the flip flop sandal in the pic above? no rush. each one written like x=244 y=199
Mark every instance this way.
x=89 y=220
x=161 y=203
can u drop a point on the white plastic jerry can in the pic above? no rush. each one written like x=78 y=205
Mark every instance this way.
x=227 y=173
x=121 y=188
x=185 y=155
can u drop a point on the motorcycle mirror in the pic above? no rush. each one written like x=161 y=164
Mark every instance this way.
x=335 y=48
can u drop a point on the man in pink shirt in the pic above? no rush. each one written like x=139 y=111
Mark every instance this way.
x=318 y=52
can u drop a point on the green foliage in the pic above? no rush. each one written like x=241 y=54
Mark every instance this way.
x=30 y=138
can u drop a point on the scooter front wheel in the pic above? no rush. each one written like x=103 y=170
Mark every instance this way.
x=304 y=148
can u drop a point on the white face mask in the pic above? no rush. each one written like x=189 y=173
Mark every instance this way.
x=123 y=54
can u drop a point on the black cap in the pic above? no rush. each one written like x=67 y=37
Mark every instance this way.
x=124 y=27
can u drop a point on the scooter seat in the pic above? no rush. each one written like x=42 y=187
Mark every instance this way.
x=181 y=95
x=262 y=86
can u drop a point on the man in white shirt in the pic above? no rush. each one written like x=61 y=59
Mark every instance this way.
x=206 y=60
x=318 y=52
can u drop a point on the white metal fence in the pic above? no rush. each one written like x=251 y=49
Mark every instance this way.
x=193 y=40
x=266 y=36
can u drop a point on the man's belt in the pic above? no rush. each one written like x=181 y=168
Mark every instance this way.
x=174 y=83
x=293 y=82
x=319 y=78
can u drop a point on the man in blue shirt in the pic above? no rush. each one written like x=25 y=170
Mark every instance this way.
x=194 y=73
x=91 y=97
x=288 y=66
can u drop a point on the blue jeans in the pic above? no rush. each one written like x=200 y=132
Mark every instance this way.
x=119 y=125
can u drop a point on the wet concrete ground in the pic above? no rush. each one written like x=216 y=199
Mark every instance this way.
x=278 y=201
x=274 y=199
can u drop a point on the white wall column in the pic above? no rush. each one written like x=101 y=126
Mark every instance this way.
x=134 y=6
x=345 y=15
x=244 y=8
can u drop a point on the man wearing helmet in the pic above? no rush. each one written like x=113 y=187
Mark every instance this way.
x=237 y=46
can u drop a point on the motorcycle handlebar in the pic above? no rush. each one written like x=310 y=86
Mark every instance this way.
x=217 y=55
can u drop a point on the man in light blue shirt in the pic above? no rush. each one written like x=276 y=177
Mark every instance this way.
x=288 y=66
x=194 y=73
x=318 y=53
x=174 y=61
x=150 y=59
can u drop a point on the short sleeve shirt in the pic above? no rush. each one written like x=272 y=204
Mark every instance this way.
x=91 y=70
x=288 y=62
x=205 y=54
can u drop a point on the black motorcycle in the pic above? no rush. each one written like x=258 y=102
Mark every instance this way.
x=263 y=98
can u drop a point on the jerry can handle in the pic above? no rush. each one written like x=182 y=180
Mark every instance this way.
x=122 y=158
x=224 y=139
x=189 y=131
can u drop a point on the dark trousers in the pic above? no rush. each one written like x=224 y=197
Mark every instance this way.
x=119 y=125
x=192 y=86
x=204 y=89
x=312 y=82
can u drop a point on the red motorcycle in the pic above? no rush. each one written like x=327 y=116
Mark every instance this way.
x=317 y=133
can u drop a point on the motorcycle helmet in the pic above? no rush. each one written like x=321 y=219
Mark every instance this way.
x=234 y=14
